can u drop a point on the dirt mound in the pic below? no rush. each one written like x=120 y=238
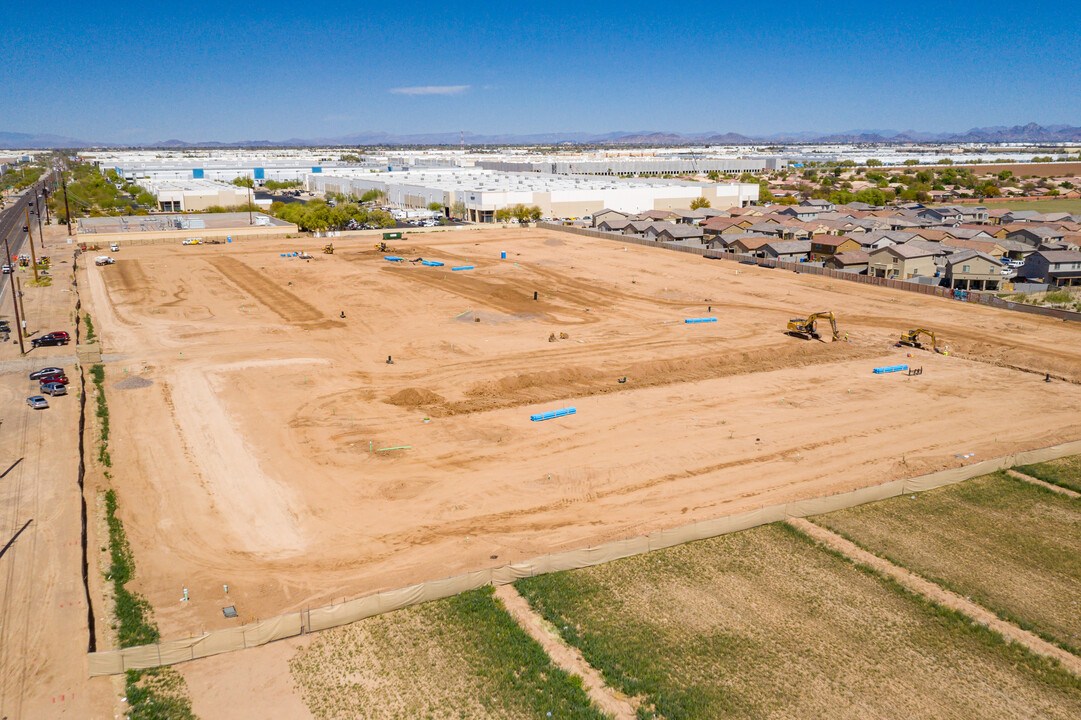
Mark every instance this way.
x=133 y=383
x=415 y=397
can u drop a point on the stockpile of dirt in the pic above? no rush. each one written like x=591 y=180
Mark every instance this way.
x=415 y=397
x=133 y=383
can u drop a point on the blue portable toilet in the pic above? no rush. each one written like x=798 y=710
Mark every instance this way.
x=503 y=255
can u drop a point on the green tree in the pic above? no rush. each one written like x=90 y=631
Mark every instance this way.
x=1005 y=175
x=246 y=182
x=699 y=202
x=458 y=209
x=912 y=161
x=713 y=175
x=502 y=215
x=874 y=162
x=435 y=206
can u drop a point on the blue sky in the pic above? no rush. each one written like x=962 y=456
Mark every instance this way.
x=124 y=72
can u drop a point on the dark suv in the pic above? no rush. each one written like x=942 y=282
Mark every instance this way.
x=56 y=338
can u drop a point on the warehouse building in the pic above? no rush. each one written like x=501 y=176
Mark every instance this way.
x=195 y=195
x=482 y=192
x=643 y=167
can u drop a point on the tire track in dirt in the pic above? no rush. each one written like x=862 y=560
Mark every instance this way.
x=938 y=595
x=283 y=303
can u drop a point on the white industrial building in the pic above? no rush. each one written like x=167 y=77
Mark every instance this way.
x=196 y=195
x=642 y=166
x=482 y=192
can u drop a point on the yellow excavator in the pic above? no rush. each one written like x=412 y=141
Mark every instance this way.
x=328 y=249
x=808 y=326
x=912 y=337
x=382 y=247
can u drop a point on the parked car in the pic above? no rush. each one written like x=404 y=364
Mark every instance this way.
x=54 y=388
x=46 y=372
x=103 y=260
x=58 y=378
x=7 y=269
x=50 y=339
x=114 y=248
x=37 y=402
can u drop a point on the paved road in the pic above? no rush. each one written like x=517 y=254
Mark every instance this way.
x=12 y=221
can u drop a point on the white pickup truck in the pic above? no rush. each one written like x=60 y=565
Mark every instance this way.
x=103 y=260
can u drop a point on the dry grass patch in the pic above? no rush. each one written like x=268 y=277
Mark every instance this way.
x=765 y=623
x=1065 y=472
x=1010 y=546
x=463 y=657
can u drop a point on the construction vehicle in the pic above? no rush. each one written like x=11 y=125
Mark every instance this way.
x=24 y=261
x=328 y=249
x=381 y=247
x=912 y=338
x=808 y=326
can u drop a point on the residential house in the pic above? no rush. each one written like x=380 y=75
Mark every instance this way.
x=973 y=270
x=1036 y=235
x=637 y=228
x=881 y=238
x=987 y=247
x=1014 y=216
x=787 y=250
x=943 y=215
x=902 y=262
x=822 y=205
x=726 y=242
x=1061 y=267
x=655 y=215
x=613 y=224
x=750 y=245
x=675 y=232
x=656 y=228
x=800 y=212
x=825 y=246
x=608 y=214
x=721 y=225
x=687 y=217
x=855 y=261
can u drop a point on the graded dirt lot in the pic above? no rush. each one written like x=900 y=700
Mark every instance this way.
x=766 y=624
x=257 y=456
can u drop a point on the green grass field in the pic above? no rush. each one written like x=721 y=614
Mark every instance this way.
x=1011 y=546
x=463 y=657
x=766 y=624
x=1065 y=472
x=1041 y=206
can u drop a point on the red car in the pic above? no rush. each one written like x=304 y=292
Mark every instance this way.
x=62 y=379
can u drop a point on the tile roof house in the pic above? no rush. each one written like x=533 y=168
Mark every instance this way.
x=903 y=262
x=825 y=246
x=787 y=250
x=1035 y=235
x=678 y=231
x=613 y=224
x=851 y=260
x=608 y=214
x=973 y=270
x=1061 y=267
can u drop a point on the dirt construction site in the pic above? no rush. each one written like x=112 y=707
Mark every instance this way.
x=307 y=430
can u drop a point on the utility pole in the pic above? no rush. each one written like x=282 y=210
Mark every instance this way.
x=67 y=212
x=22 y=305
x=251 y=201
x=45 y=201
x=14 y=299
x=30 y=237
x=41 y=235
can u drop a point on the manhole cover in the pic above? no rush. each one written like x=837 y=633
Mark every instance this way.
x=229 y=612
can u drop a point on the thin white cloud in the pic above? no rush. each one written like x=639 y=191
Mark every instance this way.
x=431 y=90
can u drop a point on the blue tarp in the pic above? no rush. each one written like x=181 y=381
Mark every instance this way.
x=890 y=368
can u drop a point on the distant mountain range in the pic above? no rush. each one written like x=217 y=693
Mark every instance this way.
x=1031 y=133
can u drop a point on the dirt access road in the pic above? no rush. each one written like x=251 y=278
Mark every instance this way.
x=43 y=604
x=255 y=456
